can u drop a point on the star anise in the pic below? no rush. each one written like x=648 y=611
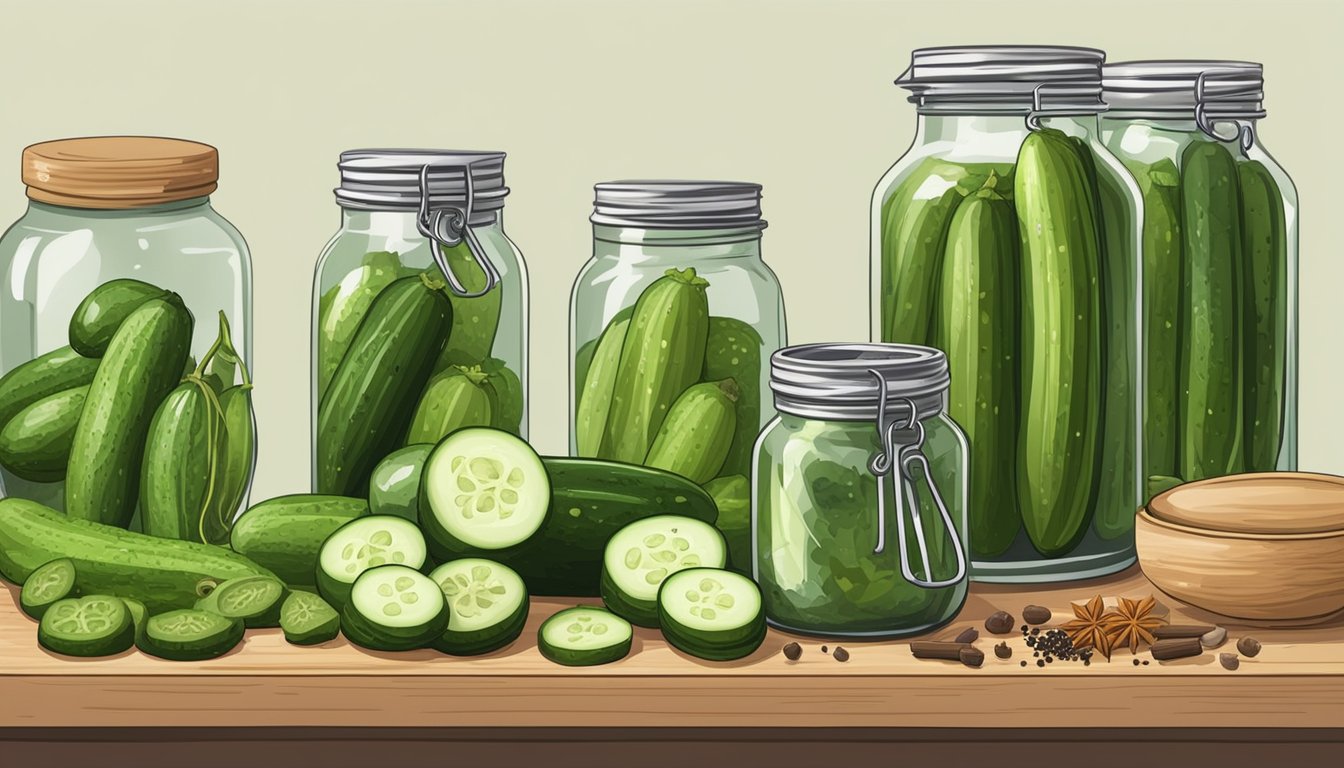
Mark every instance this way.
x=1088 y=628
x=1132 y=623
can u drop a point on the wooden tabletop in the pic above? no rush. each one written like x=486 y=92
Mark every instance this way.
x=1297 y=681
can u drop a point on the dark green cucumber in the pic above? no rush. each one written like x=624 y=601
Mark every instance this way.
x=1211 y=307
x=506 y=396
x=56 y=371
x=711 y=614
x=185 y=440
x=489 y=605
x=454 y=398
x=94 y=625
x=977 y=327
x=394 y=487
x=734 y=352
x=161 y=573
x=35 y=444
x=342 y=308
x=102 y=312
x=475 y=320
x=254 y=599
x=142 y=364
x=698 y=431
x=594 y=406
x=190 y=634
x=663 y=354
x=732 y=496
x=1060 y=342
x=307 y=619
x=50 y=582
x=585 y=636
x=1264 y=233
x=285 y=534
x=369 y=404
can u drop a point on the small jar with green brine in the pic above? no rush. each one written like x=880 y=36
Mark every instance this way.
x=419 y=311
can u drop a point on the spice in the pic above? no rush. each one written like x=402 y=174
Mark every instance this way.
x=967 y=635
x=1213 y=638
x=1088 y=628
x=934 y=649
x=1181 y=630
x=999 y=623
x=1133 y=624
x=1036 y=614
x=972 y=656
x=1055 y=644
x=1005 y=651
x=793 y=651
x=824 y=649
x=1249 y=647
x=840 y=654
x=1229 y=661
x=1024 y=662
x=1177 y=648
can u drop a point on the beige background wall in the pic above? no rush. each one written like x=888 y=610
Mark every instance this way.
x=795 y=95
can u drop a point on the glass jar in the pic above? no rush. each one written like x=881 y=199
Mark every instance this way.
x=859 y=493
x=116 y=208
x=678 y=265
x=432 y=220
x=1007 y=235
x=1221 y=333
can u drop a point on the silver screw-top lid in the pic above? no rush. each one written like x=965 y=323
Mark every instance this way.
x=390 y=179
x=1005 y=79
x=1179 y=89
x=662 y=204
x=845 y=381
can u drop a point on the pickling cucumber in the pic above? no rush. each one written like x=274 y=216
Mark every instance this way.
x=94 y=625
x=238 y=455
x=50 y=582
x=102 y=312
x=254 y=599
x=734 y=351
x=43 y=376
x=506 y=396
x=732 y=496
x=394 y=486
x=364 y=543
x=343 y=307
x=584 y=636
x=488 y=602
x=711 y=614
x=35 y=444
x=394 y=608
x=697 y=432
x=475 y=320
x=189 y=634
x=178 y=481
x=644 y=553
x=307 y=619
x=453 y=399
x=285 y=534
x=595 y=393
x=1264 y=234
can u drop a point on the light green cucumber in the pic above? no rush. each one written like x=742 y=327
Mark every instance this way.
x=342 y=308
x=1264 y=234
x=54 y=372
x=307 y=619
x=185 y=440
x=190 y=634
x=35 y=444
x=102 y=312
x=711 y=614
x=732 y=496
x=694 y=439
x=51 y=582
x=364 y=543
x=585 y=636
x=595 y=395
x=475 y=320
x=94 y=625
x=506 y=396
x=644 y=553
x=285 y=534
x=394 y=608
x=489 y=606
x=256 y=600
x=454 y=398
x=734 y=351
x=394 y=486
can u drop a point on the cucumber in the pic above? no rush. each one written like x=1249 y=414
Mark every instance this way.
x=507 y=398
x=102 y=312
x=35 y=444
x=307 y=619
x=1211 y=410
x=143 y=363
x=139 y=616
x=733 y=351
x=590 y=422
x=188 y=634
x=94 y=625
x=584 y=637
x=732 y=496
x=256 y=600
x=343 y=307
x=488 y=602
x=977 y=327
x=364 y=543
x=394 y=486
x=1060 y=342
x=453 y=399
x=1159 y=484
x=237 y=456
x=663 y=354
x=644 y=553
x=482 y=488
x=50 y=582
x=475 y=320
x=56 y=371
x=285 y=534
x=394 y=608
x=179 y=479
x=583 y=357
x=711 y=614
x=368 y=406
x=698 y=431
x=1264 y=236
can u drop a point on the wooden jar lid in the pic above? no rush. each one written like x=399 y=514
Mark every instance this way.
x=1259 y=503
x=119 y=172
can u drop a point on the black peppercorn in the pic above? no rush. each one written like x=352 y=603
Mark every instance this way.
x=793 y=651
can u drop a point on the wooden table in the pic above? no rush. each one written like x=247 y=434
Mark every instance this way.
x=267 y=696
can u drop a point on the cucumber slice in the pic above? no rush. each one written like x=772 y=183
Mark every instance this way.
x=254 y=599
x=584 y=637
x=188 y=634
x=94 y=625
x=394 y=608
x=711 y=613
x=365 y=543
x=139 y=615
x=48 y=583
x=482 y=488
x=308 y=619
x=644 y=553
x=488 y=602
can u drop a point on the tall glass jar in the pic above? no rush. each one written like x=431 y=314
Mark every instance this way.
x=1007 y=235
x=111 y=222
x=672 y=322
x=859 y=502
x=1220 y=267
x=419 y=311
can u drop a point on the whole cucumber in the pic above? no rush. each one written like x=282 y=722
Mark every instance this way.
x=394 y=487
x=694 y=438
x=179 y=479
x=143 y=363
x=236 y=460
x=342 y=309
x=1265 y=250
x=506 y=395
x=734 y=352
x=285 y=534
x=35 y=444
x=590 y=422
x=732 y=496
x=102 y=312
x=475 y=320
x=43 y=376
x=452 y=399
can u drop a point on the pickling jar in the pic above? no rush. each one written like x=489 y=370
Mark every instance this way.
x=1007 y=236
x=1220 y=267
x=859 y=493
x=419 y=311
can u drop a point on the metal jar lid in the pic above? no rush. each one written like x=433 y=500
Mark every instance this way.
x=1218 y=90
x=401 y=179
x=688 y=205
x=856 y=382
x=1041 y=80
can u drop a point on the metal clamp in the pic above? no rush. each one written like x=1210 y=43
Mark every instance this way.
x=448 y=226
x=1244 y=132
x=1038 y=109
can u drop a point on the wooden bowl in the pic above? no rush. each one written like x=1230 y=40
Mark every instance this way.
x=1265 y=547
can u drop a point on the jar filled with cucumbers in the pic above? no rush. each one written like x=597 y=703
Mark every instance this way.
x=859 y=493
x=126 y=397
x=672 y=323
x=419 y=311
x=1220 y=267
x=1008 y=236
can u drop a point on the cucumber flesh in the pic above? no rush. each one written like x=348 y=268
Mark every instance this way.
x=307 y=619
x=488 y=602
x=644 y=553
x=96 y=625
x=188 y=634
x=364 y=543
x=711 y=614
x=394 y=608
x=483 y=488
x=585 y=637
x=254 y=599
x=49 y=583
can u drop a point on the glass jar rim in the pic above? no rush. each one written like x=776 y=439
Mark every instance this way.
x=399 y=179
x=677 y=204
x=858 y=381
x=1185 y=88
x=1041 y=80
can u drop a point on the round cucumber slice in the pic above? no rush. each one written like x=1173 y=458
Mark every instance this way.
x=308 y=620
x=254 y=599
x=711 y=613
x=45 y=585
x=488 y=602
x=188 y=634
x=644 y=553
x=94 y=625
x=394 y=608
x=584 y=637
x=364 y=543
x=482 y=488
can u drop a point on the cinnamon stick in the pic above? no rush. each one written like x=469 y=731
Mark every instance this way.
x=936 y=649
x=1177 y=648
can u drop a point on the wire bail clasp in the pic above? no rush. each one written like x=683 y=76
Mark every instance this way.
x=448 y=226
x=1038 y=109
x=1244 y=132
